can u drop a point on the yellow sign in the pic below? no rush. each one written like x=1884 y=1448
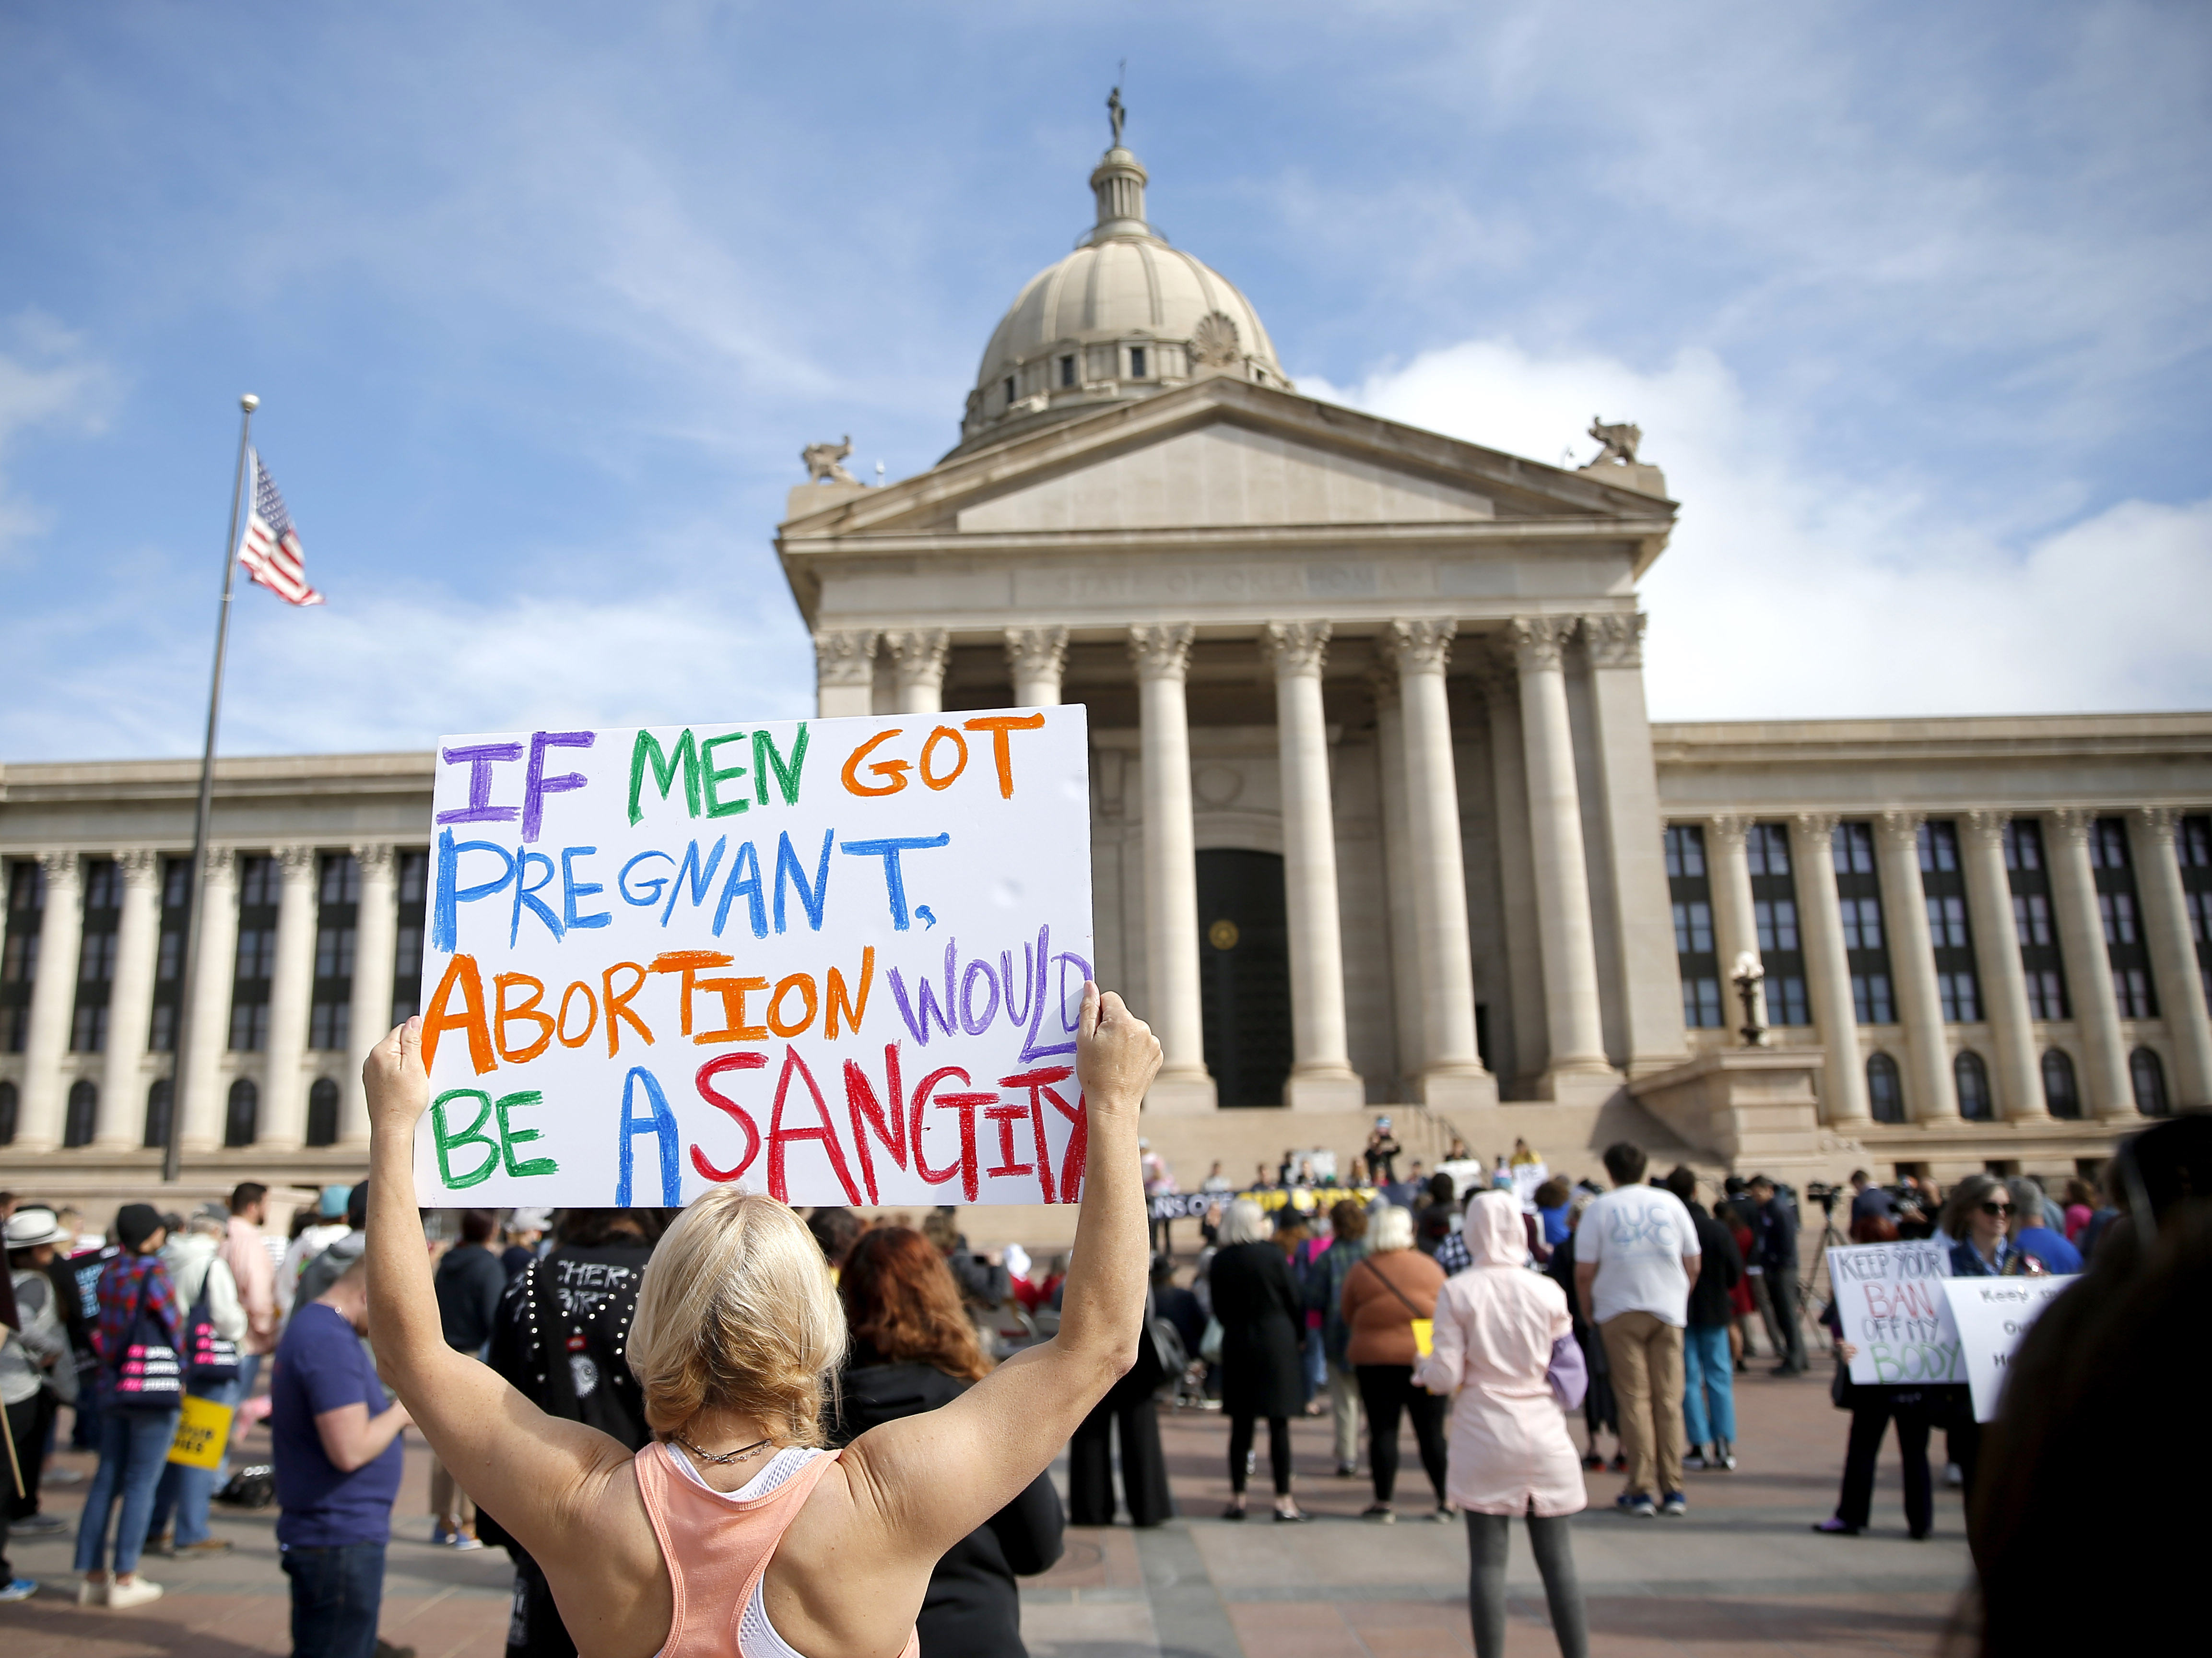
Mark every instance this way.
x=1425 y=1336
x=203 y=1431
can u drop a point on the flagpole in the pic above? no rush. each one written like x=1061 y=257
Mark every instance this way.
x=195 y=873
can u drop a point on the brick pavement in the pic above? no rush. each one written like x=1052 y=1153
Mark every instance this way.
x=1741 y=1576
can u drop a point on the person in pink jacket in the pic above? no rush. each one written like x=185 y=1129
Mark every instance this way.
x=1504 y=1343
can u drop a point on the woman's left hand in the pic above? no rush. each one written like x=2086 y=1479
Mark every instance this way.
x=393 y=1076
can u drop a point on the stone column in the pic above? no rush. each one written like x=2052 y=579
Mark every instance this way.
x=1649 y=987
x=1451 y=1068
x=1932 y=1093
x=375 y=951
x=1735 y=921
x=844 y=672
x=1162 y=653
x=284 y=1119
x=2173 y=954
x=1571 y=1013
x=1516 y=866
x=2088 y=967
x=1996 y=962
x=1322 y=1078
x=130 y=1002
x=1038 y=656
x=1828 y=967
x=199 y=1093
x=40 y=1108
x=1398 y=873
x=918 y=668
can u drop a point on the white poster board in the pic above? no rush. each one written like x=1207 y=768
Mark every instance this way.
x=1527 y=1177
x=1992 y=1314
x=1889 y=1298
x=837 y=960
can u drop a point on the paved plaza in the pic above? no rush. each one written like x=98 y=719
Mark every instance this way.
x=1741 y=1574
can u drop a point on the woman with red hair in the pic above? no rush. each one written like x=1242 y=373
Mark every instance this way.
x=913 y=1349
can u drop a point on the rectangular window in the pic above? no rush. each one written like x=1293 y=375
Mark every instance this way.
x=407 y=967
x=1943 y=881
x=1858 y=896
x=1067 y=371
x=1692 y=891
x=1774 y=917
x=1136 y=363
x=1957 y=993
x=337 y=914
x=2125 y=952
x=19 y=961
x=2027 y=873
x=1010 y=391
x=95 y=960
x=169 y=956
x=259 y=887
x=2192 y=846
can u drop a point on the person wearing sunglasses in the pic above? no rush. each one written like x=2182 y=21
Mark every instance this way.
x=1979 y=1215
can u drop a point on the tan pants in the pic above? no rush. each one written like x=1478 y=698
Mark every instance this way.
x=1645 y=1355
x=449 y=1502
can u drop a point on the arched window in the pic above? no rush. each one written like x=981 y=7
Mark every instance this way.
x=1885 y=1091
x=2058 y=1090
x=8 y=1101
x=323 y=1113
x=239 y=1121
x=1973 y=1080
x=83 y=1112
x=2149 y=1076
x=159 y=1098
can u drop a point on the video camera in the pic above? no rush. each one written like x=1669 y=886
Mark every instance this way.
x=1823 y=1194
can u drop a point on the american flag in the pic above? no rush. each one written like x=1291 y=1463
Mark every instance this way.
x=269 y=549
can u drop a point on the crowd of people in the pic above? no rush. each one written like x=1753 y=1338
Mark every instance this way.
x=689 y=1419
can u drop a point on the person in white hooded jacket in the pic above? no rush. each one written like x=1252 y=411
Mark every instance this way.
x=1504 y=1343
x=197 y=1270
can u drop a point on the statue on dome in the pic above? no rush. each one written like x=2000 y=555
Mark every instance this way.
x=1619 y=439
x=821 y=461
x=1117 y=113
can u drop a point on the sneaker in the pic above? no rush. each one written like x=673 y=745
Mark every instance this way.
x=92 y=1592
x=1833 y=1527
x=1675 y=1506
x=445 y=1539
x=1636 y=1504
x=37 y=1525
x=63 y=1476
x=1594 y=1463
x=1347 y=1470
x=22 y=1589
x=1723 y=1456
x=137 y=1593
x=1445 y=1514
x=1696 y=1462
x=1380 y=1513
x=1620 y=1463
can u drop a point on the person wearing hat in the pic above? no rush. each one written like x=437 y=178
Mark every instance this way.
x=326 y=1228
x=326 y=1269
x=525 y=1236
x=134 y=1444
x=35 y=1365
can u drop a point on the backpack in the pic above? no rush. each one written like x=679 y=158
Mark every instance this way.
x=146 y=1376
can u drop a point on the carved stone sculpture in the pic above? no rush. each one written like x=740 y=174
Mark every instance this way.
x=821 y=461
x=1619 y=439
x=1213 y=342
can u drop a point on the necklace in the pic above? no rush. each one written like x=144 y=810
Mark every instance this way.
x=726 y=1458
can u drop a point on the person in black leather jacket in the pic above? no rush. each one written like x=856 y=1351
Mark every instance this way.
x=914 y=1349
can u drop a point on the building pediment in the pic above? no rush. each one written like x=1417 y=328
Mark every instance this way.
x=1224 y=454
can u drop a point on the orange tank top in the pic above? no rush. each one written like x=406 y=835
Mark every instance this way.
x=718 y=1548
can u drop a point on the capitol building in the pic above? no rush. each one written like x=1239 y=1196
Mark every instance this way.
x=1379 y=819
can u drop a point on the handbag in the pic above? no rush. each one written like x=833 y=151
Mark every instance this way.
x=145 y=1376
x=1209 y=1344
x=1567 y=1374
x=211 y=1357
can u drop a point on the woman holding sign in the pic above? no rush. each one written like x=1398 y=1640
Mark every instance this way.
x=734 y=1532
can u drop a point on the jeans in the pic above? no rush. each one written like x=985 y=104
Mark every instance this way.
x=1313 y=1366
x=185 y=1492
x=1553 y=1538
x=133 y=1449
x=335 y=1595
x=1644 y=1354
x=1708 y=1383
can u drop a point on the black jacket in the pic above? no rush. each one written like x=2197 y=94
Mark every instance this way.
x=1776 y=1236
x=972 y=1606
x=1263 y=1325
x=1720 y=1271
x=470 y=1283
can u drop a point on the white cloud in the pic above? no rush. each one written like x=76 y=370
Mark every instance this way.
x=1794 y=589
x=46 y=380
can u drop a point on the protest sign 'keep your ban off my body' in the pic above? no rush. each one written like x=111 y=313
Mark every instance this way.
x=837 y=960
x=1889 y=1298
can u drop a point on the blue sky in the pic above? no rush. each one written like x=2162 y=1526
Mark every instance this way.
x=543 y=300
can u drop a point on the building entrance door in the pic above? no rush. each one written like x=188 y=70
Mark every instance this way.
x=1244 y=975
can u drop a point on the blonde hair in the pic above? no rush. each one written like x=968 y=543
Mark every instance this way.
x=1394 y=1230
x=737 y=1312
x=1243 y=1222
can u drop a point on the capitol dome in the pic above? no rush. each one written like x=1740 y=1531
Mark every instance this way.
x=1125 y=316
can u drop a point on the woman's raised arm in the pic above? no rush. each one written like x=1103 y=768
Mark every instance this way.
x=533 y=1471
x=920 y=1484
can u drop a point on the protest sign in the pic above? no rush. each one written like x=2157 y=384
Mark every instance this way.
x=203 y=1433
x=1889 y=1299
x=1992 y=1314
x=838 y=960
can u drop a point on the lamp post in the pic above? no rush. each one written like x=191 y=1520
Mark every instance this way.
x=1748 y=976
